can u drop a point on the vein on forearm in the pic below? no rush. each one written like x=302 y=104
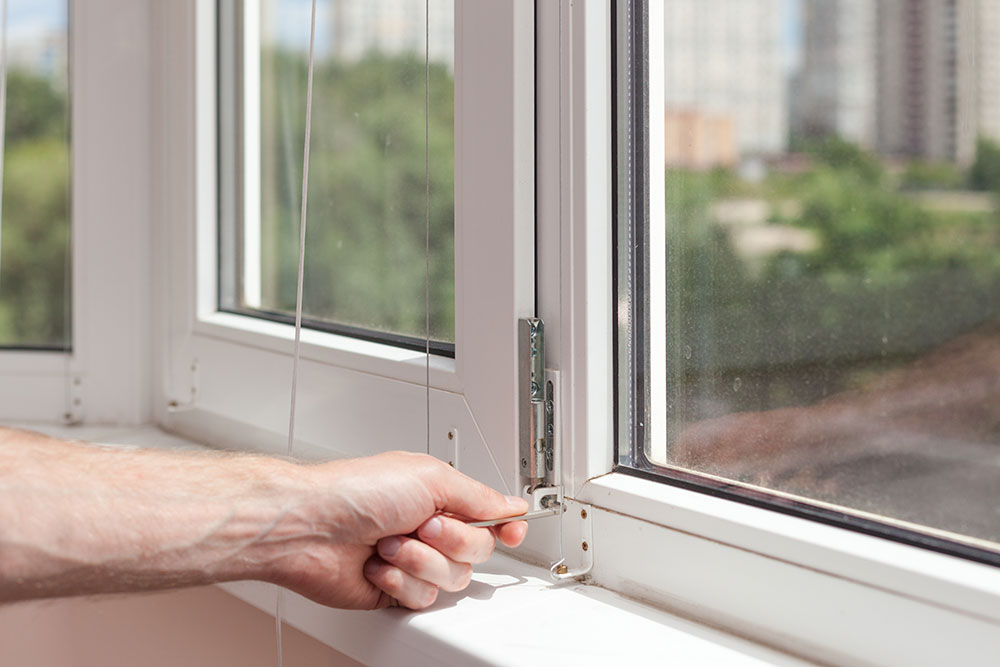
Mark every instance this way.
x=81 y=519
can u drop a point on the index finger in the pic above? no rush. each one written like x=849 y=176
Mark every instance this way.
x=463 y=496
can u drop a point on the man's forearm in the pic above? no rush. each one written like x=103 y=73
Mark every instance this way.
x=355 y=533
x=79 y=519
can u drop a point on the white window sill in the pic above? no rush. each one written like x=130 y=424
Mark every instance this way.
x=511 y=614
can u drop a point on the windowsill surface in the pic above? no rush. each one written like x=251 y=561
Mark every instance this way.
x=511 y=614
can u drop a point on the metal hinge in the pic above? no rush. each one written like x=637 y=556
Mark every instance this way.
x=538 y=451
x=540 y=454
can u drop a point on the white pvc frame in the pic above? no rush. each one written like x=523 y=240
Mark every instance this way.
x=106 y=378
x=821 y=592
x=227 y=376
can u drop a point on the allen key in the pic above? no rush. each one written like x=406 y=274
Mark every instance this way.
x=537 y=514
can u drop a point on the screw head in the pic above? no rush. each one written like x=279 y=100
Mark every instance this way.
x=583 y=514
x=562 y=569
x=524 y=462
x=584 y=546
x=451 y=435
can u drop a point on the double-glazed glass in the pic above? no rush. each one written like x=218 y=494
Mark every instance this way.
x=35 y=211
x=815 y=304
x=381 y=165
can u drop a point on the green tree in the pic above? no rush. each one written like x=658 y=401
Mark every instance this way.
x=34 y=256
x=985 y=171
x=366 y=233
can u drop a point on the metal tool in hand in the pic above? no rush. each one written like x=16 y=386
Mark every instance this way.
x=537 y=514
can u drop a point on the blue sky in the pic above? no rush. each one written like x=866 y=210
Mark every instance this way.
x=31 y=17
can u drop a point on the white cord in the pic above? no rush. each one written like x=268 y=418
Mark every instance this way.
x=3 y=103
x=427 y=218
x=279 y=605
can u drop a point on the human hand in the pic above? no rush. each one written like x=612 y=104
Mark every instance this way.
x=389 y=529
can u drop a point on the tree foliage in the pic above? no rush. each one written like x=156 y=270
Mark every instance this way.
x=367 y=192
x=34 y=256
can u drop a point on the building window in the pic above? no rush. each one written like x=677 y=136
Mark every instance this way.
x=35 y=224
x=381 y=166
x=810 y=318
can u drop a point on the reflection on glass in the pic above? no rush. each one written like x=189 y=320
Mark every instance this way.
x=365 y=257
x=832 y=259
x=34 y=244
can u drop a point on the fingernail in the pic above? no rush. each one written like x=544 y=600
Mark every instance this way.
x=389 y=547
x=431 y=529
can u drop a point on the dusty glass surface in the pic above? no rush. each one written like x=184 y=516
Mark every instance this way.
x=376 y=62
x=35 y=225
x=833 y=252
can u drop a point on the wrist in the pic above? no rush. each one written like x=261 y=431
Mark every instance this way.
x=282 y=518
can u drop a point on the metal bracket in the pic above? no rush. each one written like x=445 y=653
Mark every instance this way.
x=577 y=542
x=74 y=409
x=538 y=408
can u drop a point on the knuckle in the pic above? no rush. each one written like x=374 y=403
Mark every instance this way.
x=392 y=579
x=464 y=577
x=429 y=597
x=484 y=549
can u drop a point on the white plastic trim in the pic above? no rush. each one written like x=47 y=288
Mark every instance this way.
x=348 y=387
x=828 y=593
x=512 y=614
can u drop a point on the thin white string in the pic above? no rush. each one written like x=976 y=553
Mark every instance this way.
x=298 y=293
x=3 y=103
x=427 y=219
x=562 y=194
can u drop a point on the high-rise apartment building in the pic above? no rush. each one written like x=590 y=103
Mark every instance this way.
x=988 y=59
x=927 y=98
x=911 y=78
x=723 y=63
x=837 y=86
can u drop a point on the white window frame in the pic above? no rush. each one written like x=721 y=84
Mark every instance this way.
x=822 y=592
x=143 y=97
x=227 y=377
x=106 y=376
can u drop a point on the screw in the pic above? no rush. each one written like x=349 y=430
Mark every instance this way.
x=172 y=404
x=524 y=462
x=548 y=430
x=67 y=416
x=562 y=569
x=583 y=514
x=451 y=435
x=451 y=463
x=584 y=546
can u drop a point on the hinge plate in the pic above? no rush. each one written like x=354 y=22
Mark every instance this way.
x=537 y=395
x=577 y=541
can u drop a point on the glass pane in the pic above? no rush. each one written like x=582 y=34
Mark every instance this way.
x=379 y=165
x=35 y=223
x=831 y=253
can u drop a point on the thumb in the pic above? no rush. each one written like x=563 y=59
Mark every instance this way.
x=459 y=494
